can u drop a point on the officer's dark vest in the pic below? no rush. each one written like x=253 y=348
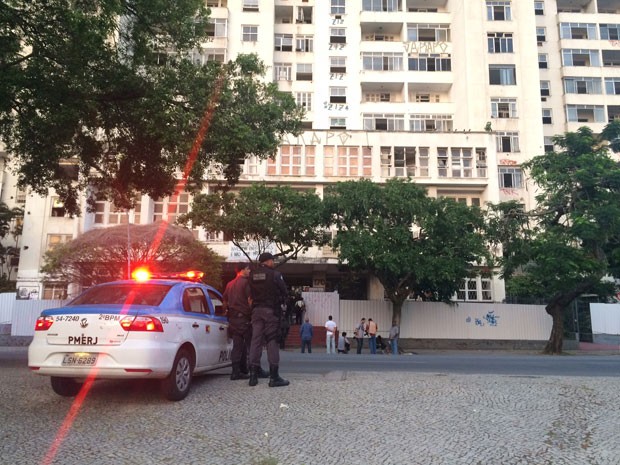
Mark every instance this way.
x=263 y=289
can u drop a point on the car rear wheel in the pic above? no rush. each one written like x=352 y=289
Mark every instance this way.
x=66 y=387
x=176 y=385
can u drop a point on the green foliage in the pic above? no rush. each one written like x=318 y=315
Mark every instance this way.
x=10 y=224
x=262 y=216
x=110 y=87
x=101 y=255
x=571 y=241
x=376 y=226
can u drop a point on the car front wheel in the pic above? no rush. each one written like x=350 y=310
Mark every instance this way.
x=66 y=387
x=176 y=385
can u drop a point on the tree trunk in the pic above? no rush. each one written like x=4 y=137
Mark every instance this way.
x=397 y=309
x=554 y=344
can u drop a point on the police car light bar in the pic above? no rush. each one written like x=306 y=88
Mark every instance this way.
x=143 y=274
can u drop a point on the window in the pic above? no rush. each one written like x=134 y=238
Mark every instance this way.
x=20 y=196
x=610 y=31
x=613 y=113
x=461 y=162
x=382 y=61
x=249 y=33
x=428 y=33
x=542 y=61
x=107 y=213
x=304 y=72
x=585 y=113
x=548 y=144
x=381 y=122
x=58 y=208
x=377 y=97
x=338 y=95
x=283 y=42
x=304 y=100
x=217 y=27
x=503 y=107
x=429 y=62
x=337 y=35
x=477 y=289
x=397 y=161
x=503 y=75
x=337 y=7
x=293 y=160
x=545 y=88
x=54 y=240
x=498 y=11
x=54 y=291
x=612 y=86
x=201 y=57
x=430 y=123
x=611 y=58
x=499 y=42
x=507 y=141
x=510 y=177
x=337 y=123
x=380 y=5
x=541 y=34
x=347 y=160
x=578 y=31
x=304 y=43
x=337 y=64
x=546 y=116
x=582 y=85
x=539 y=8
x=194 y=301
x=575 y=57
x=170 y=208
x=250 y=5
x=282 y=71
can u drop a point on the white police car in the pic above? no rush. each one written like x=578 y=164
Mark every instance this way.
x=168 y=329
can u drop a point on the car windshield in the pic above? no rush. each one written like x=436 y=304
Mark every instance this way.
x=136 y=294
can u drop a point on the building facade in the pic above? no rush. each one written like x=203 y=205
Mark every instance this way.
x=454 y=94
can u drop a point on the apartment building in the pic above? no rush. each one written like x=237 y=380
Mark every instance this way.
x=454 y=94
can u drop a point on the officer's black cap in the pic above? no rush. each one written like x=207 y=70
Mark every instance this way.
x=262 y=258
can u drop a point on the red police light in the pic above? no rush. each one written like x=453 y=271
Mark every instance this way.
x=141 y=274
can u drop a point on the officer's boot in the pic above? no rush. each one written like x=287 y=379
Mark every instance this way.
x=236 y=372
x=253 y=376
x=274 y=377
x=262 y=373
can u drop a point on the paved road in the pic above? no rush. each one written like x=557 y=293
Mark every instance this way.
x=359 y=415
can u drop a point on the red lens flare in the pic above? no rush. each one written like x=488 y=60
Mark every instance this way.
x=191 y=159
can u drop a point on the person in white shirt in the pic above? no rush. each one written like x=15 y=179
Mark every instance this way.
x=330 y=338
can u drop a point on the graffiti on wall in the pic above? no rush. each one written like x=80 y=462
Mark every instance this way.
x=490 y=319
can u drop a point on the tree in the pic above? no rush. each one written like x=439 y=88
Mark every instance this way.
x=103 y=97
x=410 y=242
x=102 y=255
x=570 y=242
x=259 y=217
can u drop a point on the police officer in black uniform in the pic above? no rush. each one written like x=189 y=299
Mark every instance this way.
x=267 y=292
x=236 y=299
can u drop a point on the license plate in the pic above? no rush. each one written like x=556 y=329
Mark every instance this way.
x=81 y=360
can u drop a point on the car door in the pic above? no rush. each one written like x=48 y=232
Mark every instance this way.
x=203 y=329
x=221 y=321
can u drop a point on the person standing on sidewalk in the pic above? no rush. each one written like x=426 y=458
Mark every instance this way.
x=360 y=331
x=371 y=329
x=305 y=333
x=236 y=299
x=268 y=292
x=330 y=335
x=394 y=333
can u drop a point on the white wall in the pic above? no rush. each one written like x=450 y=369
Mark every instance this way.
x=434 y=320
x=605 y=318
